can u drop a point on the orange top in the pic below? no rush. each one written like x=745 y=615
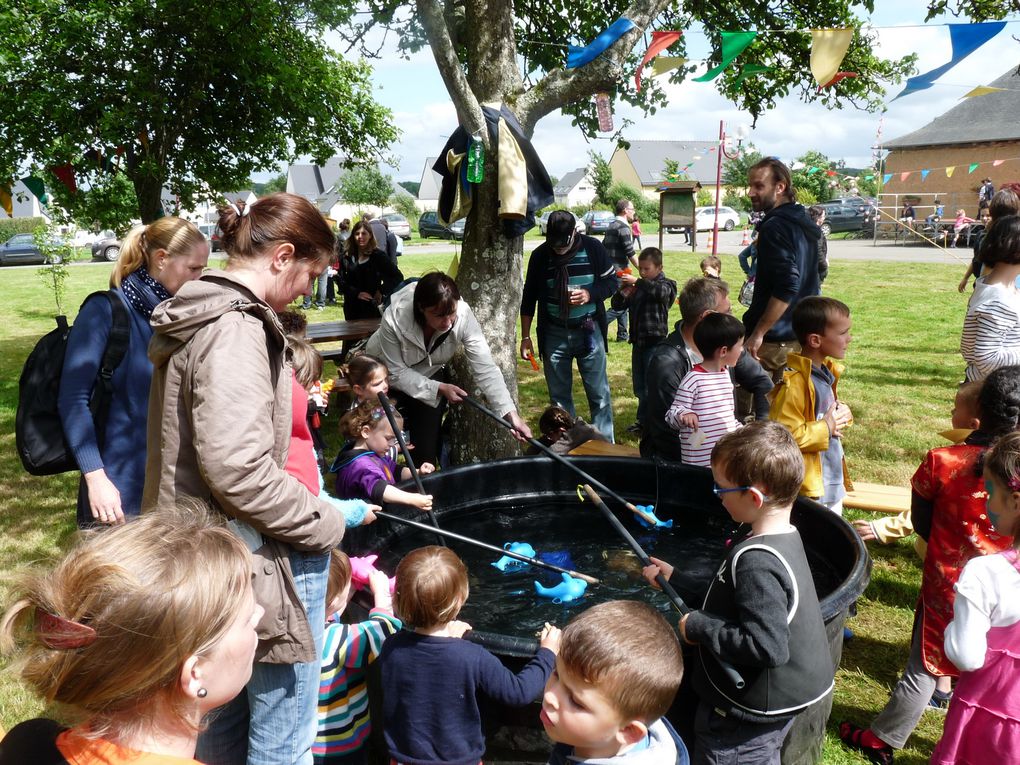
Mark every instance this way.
x=78 y=750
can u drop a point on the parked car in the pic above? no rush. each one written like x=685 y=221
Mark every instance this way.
x=211 y=232
x=597 y=221
x=704 y=218
x=429 y=225
x=21 y=250
x=106 y=247
x=845 y=216
x=543 y=223
x=398 y=224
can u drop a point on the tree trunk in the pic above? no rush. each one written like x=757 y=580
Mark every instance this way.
x=148 y=190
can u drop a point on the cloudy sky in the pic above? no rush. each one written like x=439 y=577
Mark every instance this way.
x=415 y=92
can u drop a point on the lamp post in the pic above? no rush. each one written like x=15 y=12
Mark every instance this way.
x=740 y=134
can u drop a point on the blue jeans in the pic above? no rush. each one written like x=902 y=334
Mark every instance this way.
x=640 y=355
x=273 y=721
x=319 y=290
x=622 y=318
x=562 y=346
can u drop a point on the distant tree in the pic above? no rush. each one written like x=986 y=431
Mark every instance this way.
x=108 y=202
x=411 y=186
x=405 y=205
x=601 y=177
x=734 y=173
x=554 y=180
x=812 y=175
x=274 y=184
x=365 y=185
x=644 y=207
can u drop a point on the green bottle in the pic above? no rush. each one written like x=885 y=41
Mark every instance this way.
x=476 y=160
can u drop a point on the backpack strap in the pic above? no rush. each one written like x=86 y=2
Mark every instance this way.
x=116 y=348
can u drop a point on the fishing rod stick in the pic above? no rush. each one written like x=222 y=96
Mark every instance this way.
x=487 y=546
x=387 y=406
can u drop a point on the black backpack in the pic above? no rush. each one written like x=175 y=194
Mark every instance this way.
x=38 y=431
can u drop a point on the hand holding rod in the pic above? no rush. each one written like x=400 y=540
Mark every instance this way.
x=487 y=546
x=387 y=406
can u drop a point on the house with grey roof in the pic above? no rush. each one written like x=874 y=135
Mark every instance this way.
x=981 y=130
x=643 y=164
x=574 y=189
x=320 y=185
x=428 y=187
x=24 y=204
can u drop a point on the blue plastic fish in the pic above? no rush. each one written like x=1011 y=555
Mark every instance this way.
x=650 y=511
x=564 y=592
x=559 y=558
x=506 y=563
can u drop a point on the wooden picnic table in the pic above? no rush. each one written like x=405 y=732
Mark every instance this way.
x=341 y=331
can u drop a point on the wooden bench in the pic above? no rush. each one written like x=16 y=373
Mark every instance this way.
x=594 y=447
x=877 y=497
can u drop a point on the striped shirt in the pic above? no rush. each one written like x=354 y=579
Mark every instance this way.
x=991 y=330
x=581 y=276
x=347 y=650
x=710 y=396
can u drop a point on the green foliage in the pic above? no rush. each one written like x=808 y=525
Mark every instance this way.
x=411 y=187
x=58 y=255
x=365 y=185
x=734 y=171
x=108 y=203
x=644 y=208
x=867 y=188
x=11 y=226
x=811 y=177
x=274 y=184
x=704 y=198
x=405 y=206
x=601 y=177
x=194 y=95
x=737 y=201
x=807 y=197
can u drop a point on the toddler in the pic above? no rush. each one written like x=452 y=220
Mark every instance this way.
x=433 y=681
x=364 y=467
x=598 y=708
x=347 y=650
x=805 y=401
x=711 y=267
x=702 y=408
x=984 y=715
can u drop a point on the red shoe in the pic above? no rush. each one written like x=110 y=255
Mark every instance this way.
x=866 y=742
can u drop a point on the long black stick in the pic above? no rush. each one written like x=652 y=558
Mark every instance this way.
x=674 y=598
x=487 y=546
x=387 y=406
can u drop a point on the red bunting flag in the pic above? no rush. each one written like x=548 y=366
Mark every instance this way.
x=839 y=76
x=65 y=174
x=660 y=41
x=904 y=176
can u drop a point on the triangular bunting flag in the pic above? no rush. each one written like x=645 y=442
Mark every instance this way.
x=904 y=176
x=830 y=173
x=973 y=167
x=981 y=90
x=828 y=47
x=5 y=200
x=836 y=78
x=660 y=41
x=454 y=267
x=924 y=175
x=965 y=39
x=65 y=174
x=949 y=171
x=997 y=162
x=886 y=178
x=812 y=170
x=733 y=44
x=750 y=70
x=580 y=56
x=37 y=187
x=663 y=64
x=869 y=177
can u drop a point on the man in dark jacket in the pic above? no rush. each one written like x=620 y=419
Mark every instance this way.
x=677 y=354
x=385 y=239
x=787 y=266
x=569 y=278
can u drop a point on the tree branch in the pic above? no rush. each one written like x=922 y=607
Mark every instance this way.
x=469 y=113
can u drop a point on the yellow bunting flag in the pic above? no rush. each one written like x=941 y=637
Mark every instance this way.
x=5 y=200
x=454 y=267
x=664 y=64
x=949 y=171
x=981 y=90
x=828 y=47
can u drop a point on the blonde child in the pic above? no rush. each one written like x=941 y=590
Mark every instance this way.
x=347 y=650
x=702 y=409
x=364 y=467
x=711 y=267
x=984 y=715
x=433 y=681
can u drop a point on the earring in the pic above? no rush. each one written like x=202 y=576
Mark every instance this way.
x=202 y=693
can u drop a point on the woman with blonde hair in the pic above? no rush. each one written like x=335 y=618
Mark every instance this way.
x=137 y=633
x=155 y=260
x=217 y=336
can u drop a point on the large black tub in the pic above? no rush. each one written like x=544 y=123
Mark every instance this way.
x=535 y=500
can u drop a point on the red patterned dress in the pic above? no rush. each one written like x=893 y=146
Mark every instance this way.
x=960 y=530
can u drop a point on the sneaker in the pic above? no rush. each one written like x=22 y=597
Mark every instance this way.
x=635 y=428
x=848 y=634
x=940 y=701
x=866 y=742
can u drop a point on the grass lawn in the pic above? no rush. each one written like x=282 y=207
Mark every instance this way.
x=901 y=372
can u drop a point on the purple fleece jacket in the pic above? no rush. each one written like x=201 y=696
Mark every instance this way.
x=363 y=474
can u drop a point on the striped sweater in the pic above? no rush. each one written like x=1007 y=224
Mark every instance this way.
x=710 y=396
x=991 y=330
x=347 y=650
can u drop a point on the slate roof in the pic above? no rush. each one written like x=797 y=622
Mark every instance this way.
x=995 y=117
x=311 y=181
x=430 y=181
x=331 y=197
x=569 y=181
x=649 y=159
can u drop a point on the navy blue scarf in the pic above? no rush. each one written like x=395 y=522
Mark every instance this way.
x=143 y=292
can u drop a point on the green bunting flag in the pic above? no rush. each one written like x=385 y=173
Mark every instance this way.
x=733 y=44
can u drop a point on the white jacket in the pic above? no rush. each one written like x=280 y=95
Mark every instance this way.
x=400 y=344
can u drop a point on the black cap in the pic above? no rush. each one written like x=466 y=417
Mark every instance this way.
x=560 y=228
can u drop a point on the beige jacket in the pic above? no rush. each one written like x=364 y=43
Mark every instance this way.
x=220 y=428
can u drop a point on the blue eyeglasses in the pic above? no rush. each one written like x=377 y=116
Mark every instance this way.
x=719 y=490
